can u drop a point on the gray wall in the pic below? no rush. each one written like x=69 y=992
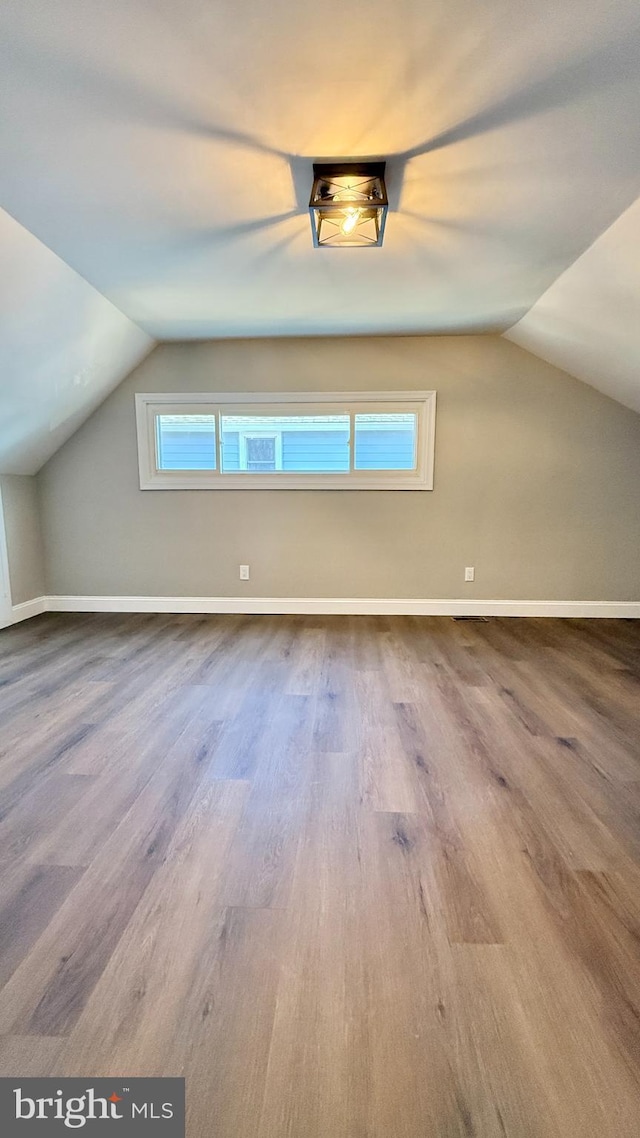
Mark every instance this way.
x=536 y=485
x=23 y=535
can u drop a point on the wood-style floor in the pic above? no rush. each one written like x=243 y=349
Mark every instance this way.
x=354 y=878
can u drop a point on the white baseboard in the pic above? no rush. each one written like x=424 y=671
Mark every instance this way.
x=26 y=610
x=341 y=605
x=309 y=606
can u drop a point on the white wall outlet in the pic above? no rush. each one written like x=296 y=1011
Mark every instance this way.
x=244 y=572
x=469 y=573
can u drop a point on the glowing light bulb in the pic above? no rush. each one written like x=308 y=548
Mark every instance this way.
x=350 y=221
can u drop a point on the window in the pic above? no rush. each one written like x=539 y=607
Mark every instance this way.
x=259 y=452
x=371 y=441
x=299 y=444
x=186 y=442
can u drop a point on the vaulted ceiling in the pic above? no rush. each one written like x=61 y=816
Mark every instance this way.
x=163 y=151
x=588 y=321
x=63 y=348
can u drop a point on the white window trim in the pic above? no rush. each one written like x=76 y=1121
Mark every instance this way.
x=148 y=405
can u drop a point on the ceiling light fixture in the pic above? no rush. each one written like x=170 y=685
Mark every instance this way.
x=348 y=204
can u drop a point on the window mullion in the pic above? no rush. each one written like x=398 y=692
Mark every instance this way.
x=218 y=416
x=352 y=431
x=154 y=441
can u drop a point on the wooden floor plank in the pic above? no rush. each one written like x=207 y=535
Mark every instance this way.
x=166 y=943
x=30 y=1056
x=370 y=877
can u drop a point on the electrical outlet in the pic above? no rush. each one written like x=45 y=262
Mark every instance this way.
x=469 y=573
x=244 y=572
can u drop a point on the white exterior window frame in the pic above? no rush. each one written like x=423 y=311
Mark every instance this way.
x=255 y=403
x=244 y=436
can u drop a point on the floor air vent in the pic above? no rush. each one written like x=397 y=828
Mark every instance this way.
x=482 y=619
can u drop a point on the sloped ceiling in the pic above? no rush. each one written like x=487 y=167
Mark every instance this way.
x=164 y=151
x=63 y=348
x=156 y=158
x=588 y=321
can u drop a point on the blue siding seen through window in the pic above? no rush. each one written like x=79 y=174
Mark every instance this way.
x=315 y=444
x=186 y=442
x=325 y=451
x=230 y=450
x=385 y=442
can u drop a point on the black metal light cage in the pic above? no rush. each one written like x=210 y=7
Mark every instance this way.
x=348 y=204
